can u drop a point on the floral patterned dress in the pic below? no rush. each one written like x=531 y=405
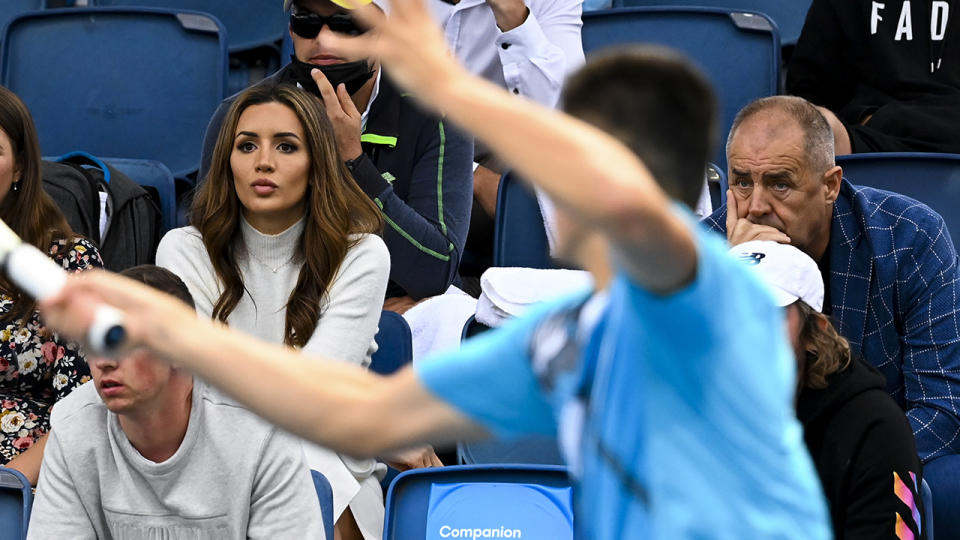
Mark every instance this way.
x=37 y=367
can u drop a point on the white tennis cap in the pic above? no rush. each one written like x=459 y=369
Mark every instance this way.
x=791 y=273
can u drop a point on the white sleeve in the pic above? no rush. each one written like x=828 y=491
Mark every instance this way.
x=57 y=508
x=182 y=252
x=284 y=503
x=537 y=55
x=349 y=321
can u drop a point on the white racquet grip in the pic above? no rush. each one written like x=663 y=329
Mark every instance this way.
x=106 y=333
x=34 y=272
x=40 y=277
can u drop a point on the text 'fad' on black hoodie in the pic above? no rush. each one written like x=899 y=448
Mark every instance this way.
x=897 y=60
x=863 y=448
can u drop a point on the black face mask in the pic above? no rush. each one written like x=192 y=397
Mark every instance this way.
x=352 y=74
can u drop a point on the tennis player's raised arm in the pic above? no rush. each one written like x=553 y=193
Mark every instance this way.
x=338 y=405
x=583 y=169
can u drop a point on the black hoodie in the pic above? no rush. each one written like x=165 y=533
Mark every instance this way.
x=859 y=439
x=897 y=60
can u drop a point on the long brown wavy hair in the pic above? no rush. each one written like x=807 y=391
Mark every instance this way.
x=29 y=211
x=827 y=351
x=336 y=208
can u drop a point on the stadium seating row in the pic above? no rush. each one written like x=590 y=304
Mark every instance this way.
x=517 y=496
x=108 y=66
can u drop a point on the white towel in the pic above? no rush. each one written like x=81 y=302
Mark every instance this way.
x=508 y=292
x=437 y=323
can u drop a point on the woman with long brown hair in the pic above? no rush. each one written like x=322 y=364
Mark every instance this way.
x=284 y=245
x=37 y=368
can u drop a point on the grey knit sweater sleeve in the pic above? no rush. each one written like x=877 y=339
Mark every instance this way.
x=349 y=321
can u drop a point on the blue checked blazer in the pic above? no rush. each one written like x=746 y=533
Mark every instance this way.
x=895 y=295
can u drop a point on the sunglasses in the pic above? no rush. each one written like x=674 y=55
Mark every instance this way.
x=307 y=24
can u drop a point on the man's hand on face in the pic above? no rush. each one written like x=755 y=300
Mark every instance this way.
x=509 y=13
x=740 y=230
x=343 y=115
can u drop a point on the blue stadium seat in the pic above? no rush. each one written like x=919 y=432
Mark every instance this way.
x=531 y=498
x=16 y=500
x=254 y=27
x=154 y=174
x=135 y=83
x=927 y=497
x=394 y=350
x=933 y=179
x=739 y=52
x=788 y=15
x=250 y=23
x=12 y=8
x=325 y=494
x=394 y=344
x=519 y=237
x=472 y=327
x=717 y=182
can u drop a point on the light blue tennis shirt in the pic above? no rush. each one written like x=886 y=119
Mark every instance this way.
x=675 y=412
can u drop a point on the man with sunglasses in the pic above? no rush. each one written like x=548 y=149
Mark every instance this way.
x=415 y=166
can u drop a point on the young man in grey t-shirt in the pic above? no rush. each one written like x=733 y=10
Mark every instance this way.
x=144 y=451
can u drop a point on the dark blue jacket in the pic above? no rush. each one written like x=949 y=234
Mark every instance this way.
x=894 y=294
x=419 y=170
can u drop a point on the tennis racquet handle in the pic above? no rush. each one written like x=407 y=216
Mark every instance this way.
x=40 y=277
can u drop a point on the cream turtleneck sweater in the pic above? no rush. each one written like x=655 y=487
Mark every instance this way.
x=348 y=320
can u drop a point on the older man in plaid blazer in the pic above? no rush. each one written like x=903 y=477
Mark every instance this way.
x=888 y=259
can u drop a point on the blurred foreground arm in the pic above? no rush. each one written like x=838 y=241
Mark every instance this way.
x=337 y=405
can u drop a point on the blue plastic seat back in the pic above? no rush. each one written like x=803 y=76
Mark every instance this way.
x=325 y=495
x=394 y=344
x=12 y=8
x=154 y=174
x=408 y=505
x=135 y=82
x=472 y=327
x=249 y=23
x=16 y=500
x=717 y=183
x=933 y=179
x=788 y=15
x=927 y=497
x=519 y=238
x=739 y=52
